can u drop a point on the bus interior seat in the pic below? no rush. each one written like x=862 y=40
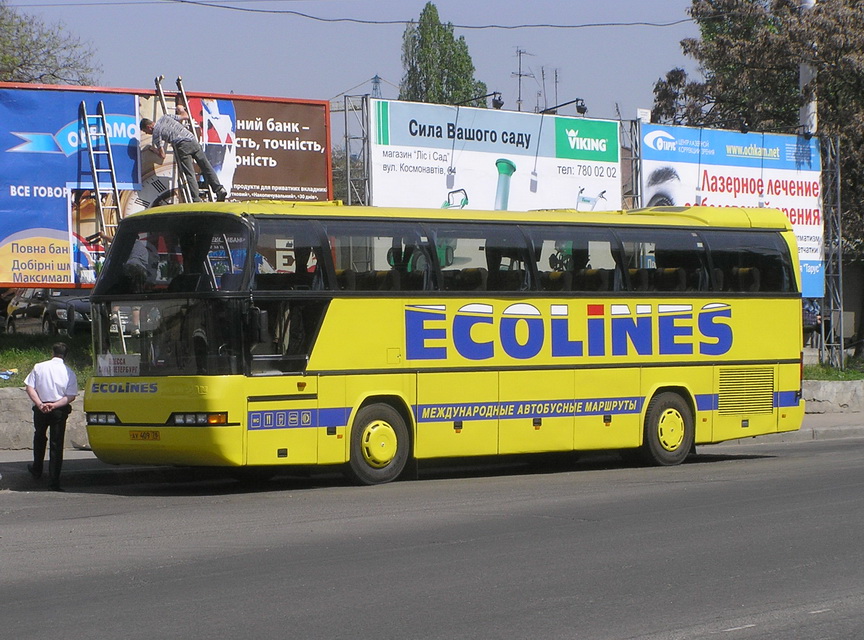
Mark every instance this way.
x=230 y=281
x=746 y=278
x=346 y=279
x=283 y=281
x=386 y=280
x=640 y=279
x=697 y=280
x=671 y=279
x=448 y=279
x=188 y=283
x=556 y=281
x=472 y=279
x=509 y=280
x=717 y=274
x=412 y=281
x=592 y=280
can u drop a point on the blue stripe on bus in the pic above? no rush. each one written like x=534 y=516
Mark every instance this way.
x=710 y=401
x=786 y=398
x=297 y=418
x=338 y=416
x=706 y=401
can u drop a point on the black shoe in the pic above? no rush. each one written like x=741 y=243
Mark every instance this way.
x=33 y=472
x=221 y=195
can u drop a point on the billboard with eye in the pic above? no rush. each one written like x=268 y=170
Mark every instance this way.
x=683 y=166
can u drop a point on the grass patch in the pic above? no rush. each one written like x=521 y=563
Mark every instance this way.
x=854 y=371
x=20 y=351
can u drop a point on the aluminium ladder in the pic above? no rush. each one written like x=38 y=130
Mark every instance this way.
x=193 y=126
x=106 y=194
x=185 y=191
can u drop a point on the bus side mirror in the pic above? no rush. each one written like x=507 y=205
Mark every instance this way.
x=258 y=325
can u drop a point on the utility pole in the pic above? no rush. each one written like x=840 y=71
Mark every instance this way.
x=520 y=75
x=808 y=116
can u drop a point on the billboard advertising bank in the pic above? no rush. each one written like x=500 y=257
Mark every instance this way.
x=271 y=148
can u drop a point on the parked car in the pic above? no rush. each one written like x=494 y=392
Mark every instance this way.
x=49 y=311
x=6 y=296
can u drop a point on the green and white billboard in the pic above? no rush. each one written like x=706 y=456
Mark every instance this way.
x=425 y=155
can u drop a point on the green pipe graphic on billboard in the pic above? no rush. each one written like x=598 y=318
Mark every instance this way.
x=506 y=168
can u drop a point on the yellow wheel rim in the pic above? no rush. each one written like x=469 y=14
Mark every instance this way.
x=379 y=444
x=670 y=430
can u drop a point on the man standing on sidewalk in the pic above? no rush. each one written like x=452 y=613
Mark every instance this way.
x=170 y=129
x=52 y=386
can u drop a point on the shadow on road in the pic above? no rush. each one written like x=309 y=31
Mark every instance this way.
x=89 y=476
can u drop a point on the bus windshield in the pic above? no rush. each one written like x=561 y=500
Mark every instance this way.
x=158 y=254
x=156 y=310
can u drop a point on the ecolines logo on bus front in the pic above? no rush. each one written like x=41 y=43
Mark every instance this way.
x=522 y=331
x=124 y=387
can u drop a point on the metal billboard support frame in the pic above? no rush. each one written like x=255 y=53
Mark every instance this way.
x=357 y=140
x=832 y=351
x=635 y=143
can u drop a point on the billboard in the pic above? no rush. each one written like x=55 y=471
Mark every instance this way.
x=260 y=147
x=683 y=166
x=437 y=156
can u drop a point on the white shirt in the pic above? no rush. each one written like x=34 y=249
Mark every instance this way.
x=52 y=380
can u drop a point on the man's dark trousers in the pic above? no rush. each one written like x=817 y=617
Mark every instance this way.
x=54 y=422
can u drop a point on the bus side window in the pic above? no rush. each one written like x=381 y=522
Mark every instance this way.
x=751 y=262
x=582 y=258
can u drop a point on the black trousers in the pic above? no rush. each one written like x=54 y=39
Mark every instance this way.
x=184 y=152
x=53 y=422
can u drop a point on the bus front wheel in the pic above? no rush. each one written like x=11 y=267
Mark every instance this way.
x=379 y=445
x=669 y=430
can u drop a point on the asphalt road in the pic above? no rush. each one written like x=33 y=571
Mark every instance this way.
x=756 y=541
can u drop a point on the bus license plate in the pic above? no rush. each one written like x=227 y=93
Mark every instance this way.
x=144 y=435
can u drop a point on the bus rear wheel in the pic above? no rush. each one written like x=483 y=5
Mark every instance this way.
x=669 y=430
x=379 y=445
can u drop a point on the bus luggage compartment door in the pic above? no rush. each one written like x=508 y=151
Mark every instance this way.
x=282 y=428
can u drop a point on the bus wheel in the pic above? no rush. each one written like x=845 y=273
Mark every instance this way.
x=379 y=445
x=669 y=430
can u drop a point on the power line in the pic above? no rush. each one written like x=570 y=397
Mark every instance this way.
x=300 y=14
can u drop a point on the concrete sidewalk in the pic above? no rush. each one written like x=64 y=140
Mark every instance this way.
x=82 y=469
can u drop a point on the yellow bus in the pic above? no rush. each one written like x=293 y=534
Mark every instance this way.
x=261 y=334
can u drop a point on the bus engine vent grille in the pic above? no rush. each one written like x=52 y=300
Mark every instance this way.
x=746 y=391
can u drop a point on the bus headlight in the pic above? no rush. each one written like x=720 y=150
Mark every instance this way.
x=102 y=418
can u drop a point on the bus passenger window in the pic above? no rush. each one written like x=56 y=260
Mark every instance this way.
x=665 y=260
x=751 y=262
x=582 y=258
x=366 y=260
x=289 y=256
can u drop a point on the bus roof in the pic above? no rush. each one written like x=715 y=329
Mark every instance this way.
x=728 y=217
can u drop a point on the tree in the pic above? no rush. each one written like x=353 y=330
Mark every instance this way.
x=438 y=67
x=749 y=54
x=749 y=63
x=33 y=51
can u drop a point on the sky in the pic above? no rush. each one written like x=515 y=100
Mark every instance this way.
x=256 y=47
